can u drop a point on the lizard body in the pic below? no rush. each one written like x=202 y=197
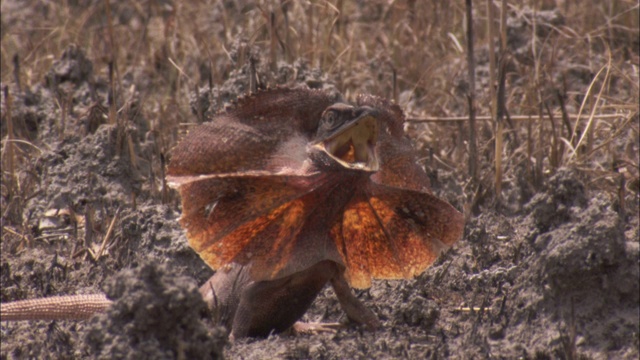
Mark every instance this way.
x=291 y=189
x=258 y=309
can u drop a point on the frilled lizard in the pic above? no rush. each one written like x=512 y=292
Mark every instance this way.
x=291 y=189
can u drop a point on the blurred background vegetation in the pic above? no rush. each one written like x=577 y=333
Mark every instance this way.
x=570 y=71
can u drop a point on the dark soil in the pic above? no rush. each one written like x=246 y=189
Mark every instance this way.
x=547 y=276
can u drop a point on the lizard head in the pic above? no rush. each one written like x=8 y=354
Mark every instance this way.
x=348 y=135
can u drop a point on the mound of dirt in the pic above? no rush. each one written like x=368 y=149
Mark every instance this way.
x=155 y=315
x=84 y=183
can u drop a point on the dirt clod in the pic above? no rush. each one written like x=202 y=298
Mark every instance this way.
x=155 y=315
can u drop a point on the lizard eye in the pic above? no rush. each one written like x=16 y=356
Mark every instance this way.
x=331 y=120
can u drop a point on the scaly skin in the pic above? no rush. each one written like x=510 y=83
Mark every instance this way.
x=290 y=190
x=71 y=307
x=257 y=309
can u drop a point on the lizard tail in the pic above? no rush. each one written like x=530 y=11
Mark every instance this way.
x=70 y=307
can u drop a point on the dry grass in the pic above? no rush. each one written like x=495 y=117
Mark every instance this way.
x=577 y=81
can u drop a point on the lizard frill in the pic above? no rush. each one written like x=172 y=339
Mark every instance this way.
x=253 y=193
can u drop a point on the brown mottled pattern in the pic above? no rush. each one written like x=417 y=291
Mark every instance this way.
x=252 y=194
x=398 y=166
x=241 y=218
x=243 y=138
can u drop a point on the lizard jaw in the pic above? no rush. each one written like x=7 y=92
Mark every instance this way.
x=354 y=145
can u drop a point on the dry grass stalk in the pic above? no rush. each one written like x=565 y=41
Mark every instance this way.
x=89 y=216
x=133 y=158
x=107 y=236
x=273 y=41
x=16 y=72
x=620 y=131
x=471 y=66
x=284 y=7
x=539 y=154
x=309 y=50
x=500 y=102
x=9 y=156
x=533 y=118
x=589 y=128
x=64 y=102
x=164 y=193
x=113 y=116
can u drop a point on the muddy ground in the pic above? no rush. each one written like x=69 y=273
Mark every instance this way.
x=550 y=273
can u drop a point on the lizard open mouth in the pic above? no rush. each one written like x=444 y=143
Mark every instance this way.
x=353 y=145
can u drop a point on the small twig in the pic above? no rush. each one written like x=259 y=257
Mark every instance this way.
x=22 y=142
x=179 y=69
x=53 y=235
x=5 y=228
x=440 y=275
x=418 y=119
x=108 y=235
x=473 y=309
x=23 y=237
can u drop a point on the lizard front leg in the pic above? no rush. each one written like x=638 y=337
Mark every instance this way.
x=355 y=310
